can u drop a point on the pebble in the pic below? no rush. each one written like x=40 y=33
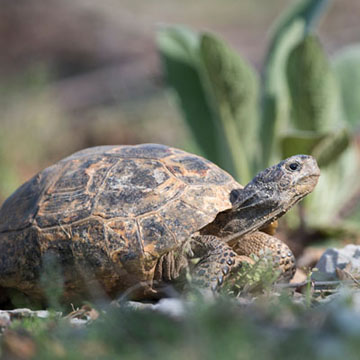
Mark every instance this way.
x=332 y=258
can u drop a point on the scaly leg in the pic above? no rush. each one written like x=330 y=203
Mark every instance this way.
x=218 y=261
x=258 y=242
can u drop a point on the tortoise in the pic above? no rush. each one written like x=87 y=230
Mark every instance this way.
x=130 y=217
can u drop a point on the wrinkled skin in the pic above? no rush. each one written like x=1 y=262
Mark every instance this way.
x=267 y=197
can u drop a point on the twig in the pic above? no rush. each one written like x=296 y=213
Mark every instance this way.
x=316 y=284
x=352 y=277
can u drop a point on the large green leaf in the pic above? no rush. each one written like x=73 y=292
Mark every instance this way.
x=218 y=93
x=290 y=29
x=328 y=205
x=326 y=148
x=329 y=149
x=347 y=69
x=179 y=49
x=299 y=142
x=313 y=88
x=233 y=85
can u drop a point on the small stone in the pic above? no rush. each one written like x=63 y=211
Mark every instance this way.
x=78 y=322
x=333 y=258
x=137 y=305
x=20 y=313
x=5 y=320
x=43 y=314
x=171 y=307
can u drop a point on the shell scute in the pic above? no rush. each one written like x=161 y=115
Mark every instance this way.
x=123 y=238
x=20 y=259
x=19 y=209
x=125 y=244
x=72 y=196
x=146 y=151
x=182 y=219
x=157 y=239
x=134 y=187
x=88 y=251
x=194 y=170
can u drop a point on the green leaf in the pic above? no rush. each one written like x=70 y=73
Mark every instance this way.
x=326 y=148
x=331 y=147
x=233 y=86
x=313 y=88
x=218 y=93
x=299 y=142
x=337 y=187
x=347 y=69
x=290 y=29
x=179 y=49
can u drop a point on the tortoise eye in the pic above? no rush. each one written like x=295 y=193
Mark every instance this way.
x=294 y=166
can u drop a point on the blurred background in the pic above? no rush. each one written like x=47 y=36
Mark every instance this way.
x=80 y=73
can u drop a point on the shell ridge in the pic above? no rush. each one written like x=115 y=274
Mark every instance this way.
x=43 y=192
x=193 y=207
x=101 y=186
x=139 y=236
x=30 y=224
x=167 y=228
x=106 y=237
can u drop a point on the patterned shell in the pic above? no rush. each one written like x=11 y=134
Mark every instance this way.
x=144 y=200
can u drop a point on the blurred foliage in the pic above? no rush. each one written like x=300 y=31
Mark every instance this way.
x=346 y=64
x=205 y=71
x=36 y=130
x=240 y=120
x=313 y=89
x=269 y=328
x=287 y=32
x=256 y=278
x=304 y=95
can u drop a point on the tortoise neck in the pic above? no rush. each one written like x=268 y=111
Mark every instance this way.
x=253 y=207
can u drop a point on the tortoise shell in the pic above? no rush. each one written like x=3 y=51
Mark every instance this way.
x=112 y=209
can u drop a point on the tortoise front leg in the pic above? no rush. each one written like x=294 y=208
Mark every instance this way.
x=217 y=262
x=258 y=242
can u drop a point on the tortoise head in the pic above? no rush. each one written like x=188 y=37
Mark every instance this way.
x=287 y=182
x=272 y=193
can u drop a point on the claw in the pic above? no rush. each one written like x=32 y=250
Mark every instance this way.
x=220 y=279
x=230 y=261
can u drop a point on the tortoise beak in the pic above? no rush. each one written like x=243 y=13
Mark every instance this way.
x=310 y=178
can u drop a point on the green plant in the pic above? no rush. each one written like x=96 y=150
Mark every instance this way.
x=304 y=103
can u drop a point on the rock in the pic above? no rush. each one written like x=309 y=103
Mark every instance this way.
x=169 y=306
x=333 y=259
x=5 y=320
x=172 y=307
x=134 y=305
x=80 y=323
